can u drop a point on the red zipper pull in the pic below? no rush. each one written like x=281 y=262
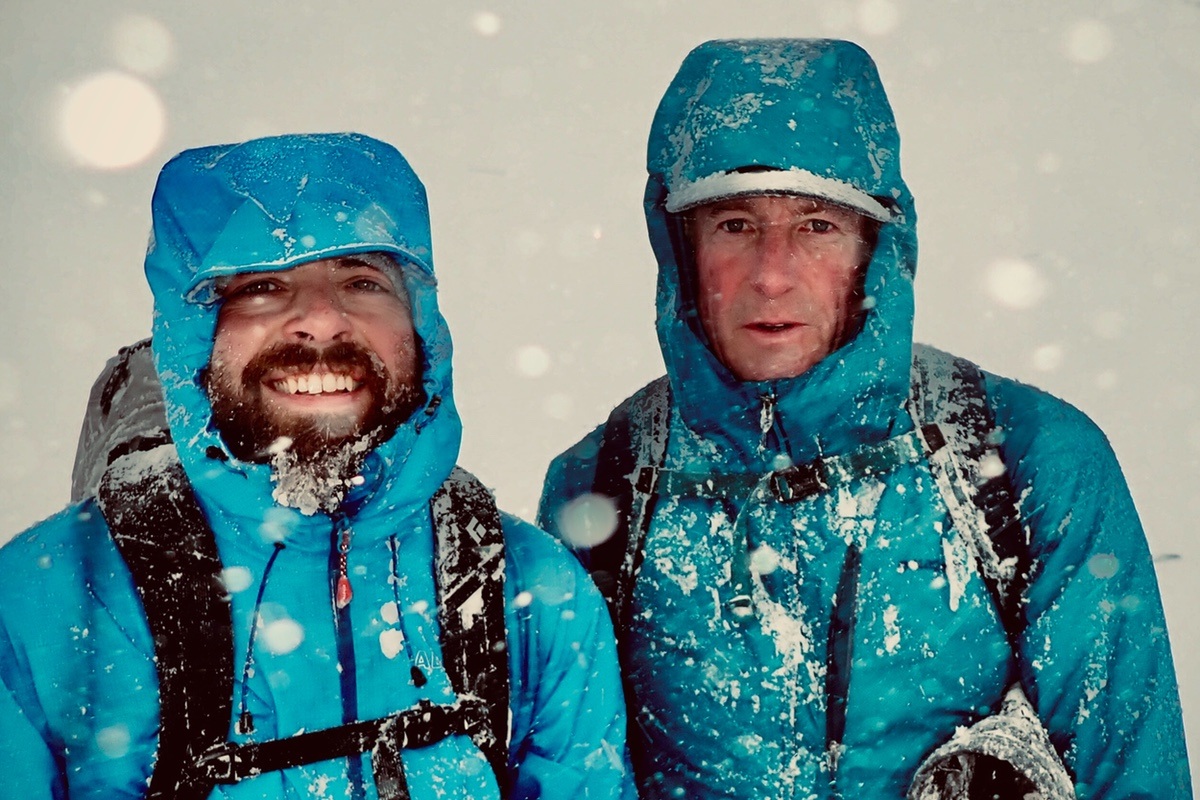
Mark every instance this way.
x=343 y=594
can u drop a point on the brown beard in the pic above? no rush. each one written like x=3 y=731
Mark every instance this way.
x=253 y=431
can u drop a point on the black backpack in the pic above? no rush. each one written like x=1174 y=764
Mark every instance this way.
x=170 y=550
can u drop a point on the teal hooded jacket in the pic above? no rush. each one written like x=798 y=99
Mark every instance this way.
x=79 y=692
x=736 y=707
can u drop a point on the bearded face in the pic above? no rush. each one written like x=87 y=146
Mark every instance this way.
x=312 y=367
x=255 y=426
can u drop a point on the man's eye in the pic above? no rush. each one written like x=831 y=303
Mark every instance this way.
x=821 y=225
x=732 y=225
x=368 y=285
x=251 y=289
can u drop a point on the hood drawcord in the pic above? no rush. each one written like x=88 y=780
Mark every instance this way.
x=418 y=677
x=245 y=723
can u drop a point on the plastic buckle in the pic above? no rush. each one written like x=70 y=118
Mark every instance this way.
x=798 y=482
x=933 y=437
x=219 y=763
x=645 y=479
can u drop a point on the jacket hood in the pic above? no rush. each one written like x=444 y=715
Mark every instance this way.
x=814 y=115
x=273 y=204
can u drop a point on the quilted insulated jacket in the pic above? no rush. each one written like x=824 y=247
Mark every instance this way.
x=727 y=705
x=79 y=694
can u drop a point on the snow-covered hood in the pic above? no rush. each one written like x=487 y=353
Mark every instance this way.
x=271 y=204
x=815 y=109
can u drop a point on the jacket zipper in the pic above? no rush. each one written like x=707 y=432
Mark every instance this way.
x=839 y=654
x=340 y=596
x=766 y=420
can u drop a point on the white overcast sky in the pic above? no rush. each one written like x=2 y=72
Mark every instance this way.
x=1052 y=149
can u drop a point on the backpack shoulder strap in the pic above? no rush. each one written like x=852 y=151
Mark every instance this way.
x=469 y=565
x=948 y=392
x=170 y=550
x=627 y=469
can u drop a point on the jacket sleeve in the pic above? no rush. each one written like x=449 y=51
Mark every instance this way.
x=1095 y=655
x=568 y=737
x=31 y=771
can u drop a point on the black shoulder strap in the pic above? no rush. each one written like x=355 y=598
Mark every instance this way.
x=170 y=551
x=627 y=468
x=470 y=579
x=972 y=478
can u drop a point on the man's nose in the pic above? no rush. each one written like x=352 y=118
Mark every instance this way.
x=317 y=315
x=776 y=265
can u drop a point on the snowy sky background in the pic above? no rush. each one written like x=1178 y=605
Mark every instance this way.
x=1052 y=149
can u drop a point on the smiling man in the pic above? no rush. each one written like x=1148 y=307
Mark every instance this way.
x=841 y=565
x=276 y=582
x=314 y=410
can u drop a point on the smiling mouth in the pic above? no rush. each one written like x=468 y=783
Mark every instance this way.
x=315 y=383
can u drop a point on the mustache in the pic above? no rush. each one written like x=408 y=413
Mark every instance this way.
x=345 y=357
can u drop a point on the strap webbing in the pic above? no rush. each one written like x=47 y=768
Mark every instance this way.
x=972 y=479
x=470 y=582
x=794 y=483
x=420 y=726
x=635 y=435
x=165 y=541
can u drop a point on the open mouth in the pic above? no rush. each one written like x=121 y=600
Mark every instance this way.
x=315 y=383
x=771 y=327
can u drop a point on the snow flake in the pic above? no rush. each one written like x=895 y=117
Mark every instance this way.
x=391 y=642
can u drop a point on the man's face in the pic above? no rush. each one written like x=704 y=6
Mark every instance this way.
x=321 y=354
x=778 y=281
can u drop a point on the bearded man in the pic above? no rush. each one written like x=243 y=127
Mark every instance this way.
x=283 y=586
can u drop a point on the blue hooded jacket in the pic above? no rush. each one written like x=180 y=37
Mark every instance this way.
x=733 y=707
x=79 y=703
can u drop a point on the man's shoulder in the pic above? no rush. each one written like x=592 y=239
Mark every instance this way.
x=1046 y=442
x=532 y=552
x=1036 y=417
x=544 y=573
x=56 y=558
x=573 y=471
x=1023 y=409
x=68 y=533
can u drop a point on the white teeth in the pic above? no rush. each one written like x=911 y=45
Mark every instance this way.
x=316 y=384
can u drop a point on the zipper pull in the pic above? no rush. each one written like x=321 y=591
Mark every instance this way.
x=766 y=419
x=343 y=594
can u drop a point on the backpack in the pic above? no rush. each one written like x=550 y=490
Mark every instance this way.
x=955 y=433
x=161 y=533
